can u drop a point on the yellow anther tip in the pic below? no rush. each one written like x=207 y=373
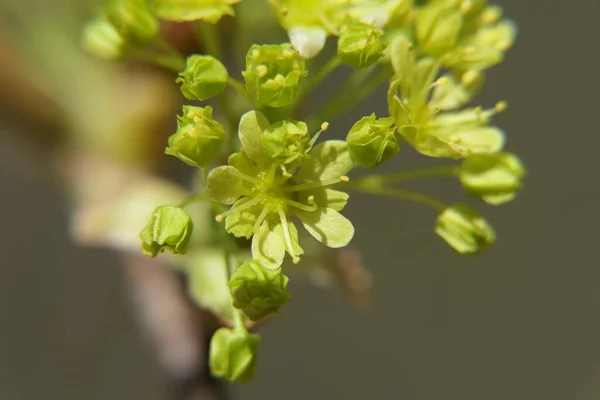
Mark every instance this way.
x=262 y=71
x=296 y=259
x=500 y=106
x=443 y=81
x=220 y=218
x=311 y=199
x=286 y=175
x=344 y=178
x=324 y=126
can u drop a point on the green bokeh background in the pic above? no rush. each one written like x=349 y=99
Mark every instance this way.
x=520 y=321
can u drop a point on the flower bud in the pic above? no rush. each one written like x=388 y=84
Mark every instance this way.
x=169 y=228
x=372 y=141
x=103 y=40
x=258 y=291
x=203 y=77
x=273 y=74
x=198 y=138
x=361 y=45
x=286 y=142
x=134 y=20
x=464 y=229
x=233 y=354
x=495 y=178
x=438 y=25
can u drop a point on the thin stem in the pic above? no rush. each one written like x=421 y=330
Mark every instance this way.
x=173 y=61
x=192 y=199
x=209 y=38
x=320 y=76
x=314 y=185
x=358 y=93
x=238 y=87
x=406 y=176
x=404 y=195
x=238 y=319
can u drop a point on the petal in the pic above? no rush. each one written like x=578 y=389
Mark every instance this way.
x=225 y=186
x=267 y=247
x=252 y=126
x=241 y=224
x=308 y=40
x=325 y=198
x=296 y=250
x=328 y=160
x=328 y=226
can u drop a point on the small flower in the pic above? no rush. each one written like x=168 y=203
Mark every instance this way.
x=426 y=116
x=133 y=19
x=198 y=138
x=258 y=291
x=361 y=45
x=203 y=78
x=273 y=74
x=103 y=40
x=233 y=354
x=495 y=178
x=265 y=195
x=210 y=11
x=464 y=229
x=372 y=141
x=169 y=228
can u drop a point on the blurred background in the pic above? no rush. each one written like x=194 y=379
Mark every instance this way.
x=519 y=321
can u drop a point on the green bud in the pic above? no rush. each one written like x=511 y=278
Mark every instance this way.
x=198 y=138
x=495 y=178
x=133 y=19
x=361 y=45
x=202 y=78
x=286 y=142
x=438 y=25
x=169 y=228
x=258 y=291
x=372 y=141
x=464 y=229
x=103 y=40
x=233 y=354
x=273 y=74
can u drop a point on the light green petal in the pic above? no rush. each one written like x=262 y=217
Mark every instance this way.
x=243 y=163
x=276 y=226
x=225 y=186
x=268 y=247
x=325 y=198
x=328 y=226
x=328 y=160
x=192 y=10
x=252 y=126
x=241 y=224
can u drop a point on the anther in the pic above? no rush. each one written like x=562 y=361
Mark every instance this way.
x=344 y=179
x=296 y=259
x=465 y=6
x=286 y=175
x=262 y=71
x=220 y=218
x=441 y=82
x=255 y=54
x=500 y=106
x=324 y=126
x=468 y=77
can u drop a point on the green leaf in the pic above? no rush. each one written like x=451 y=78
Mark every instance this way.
x=267 y=247
x=252 y=126
x=225 y=185
x=328 y=160
x=328 y=226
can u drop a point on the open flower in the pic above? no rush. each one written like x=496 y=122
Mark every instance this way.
x=265 y=195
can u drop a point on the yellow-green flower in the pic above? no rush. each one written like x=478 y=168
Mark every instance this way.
x=265 y=195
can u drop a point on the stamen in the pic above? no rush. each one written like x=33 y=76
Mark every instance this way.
x=500 y=106
x=244 y=206
x=324 y=126
x=286 y=234
x=271 y=173
x=262 y=71
x=261 y=218
x=405 y=110
x=312 y=206
x=236 y=172
x=286 y=175
x=315 y=185
x=313 y=140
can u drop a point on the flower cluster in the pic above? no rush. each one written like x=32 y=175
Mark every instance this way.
x=261 y=183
